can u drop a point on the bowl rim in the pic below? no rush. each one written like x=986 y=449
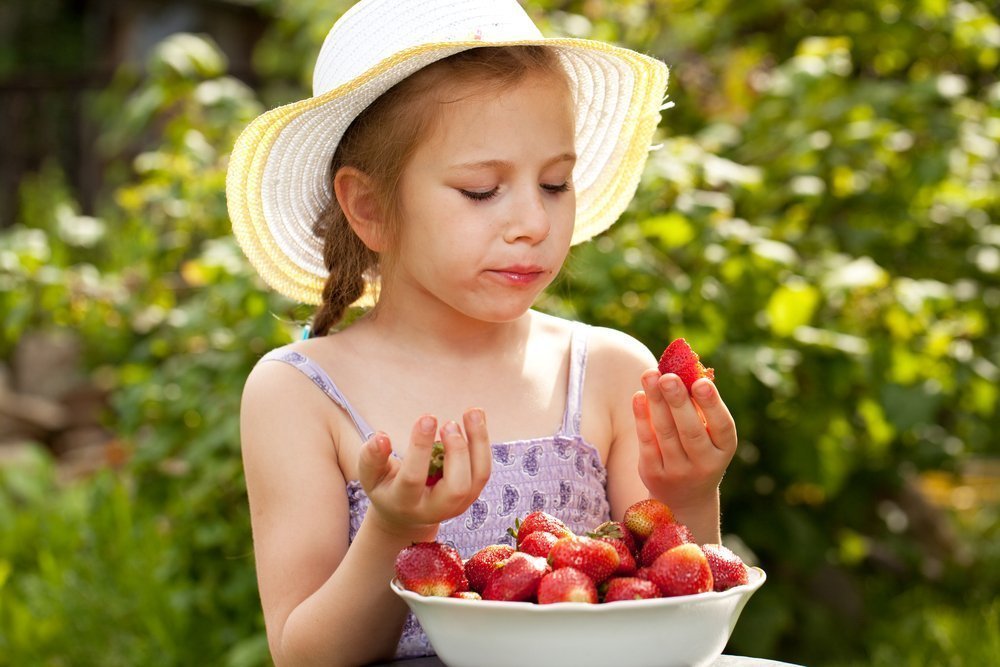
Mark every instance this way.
x=757 y=577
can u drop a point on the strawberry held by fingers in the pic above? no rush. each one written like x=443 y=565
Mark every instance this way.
x=683 y=362
x=435 y=471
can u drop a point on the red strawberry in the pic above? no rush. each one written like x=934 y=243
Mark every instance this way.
x=728 y=569
x=641 y=517
x=630 y=588
x=517 y=578
x=664 y=537
x=616 y=530
x=617 y=535
x=567 y=585
x=683 y=570
x=595 y=558
x=483 y=564
x=538 y=543
x=682 y=361
x=431 y=568
x=435 y=471
x=535 y=521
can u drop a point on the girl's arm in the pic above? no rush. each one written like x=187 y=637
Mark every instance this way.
x=324 y=603
x=661 y=446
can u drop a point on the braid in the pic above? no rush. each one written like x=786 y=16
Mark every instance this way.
x=347 y=259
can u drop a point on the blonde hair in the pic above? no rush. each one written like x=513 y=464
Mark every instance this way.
x=380 y=141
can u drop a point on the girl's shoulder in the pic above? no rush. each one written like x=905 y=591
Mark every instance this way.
x=609 y=351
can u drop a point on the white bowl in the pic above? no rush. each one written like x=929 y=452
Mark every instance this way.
x=682 y=631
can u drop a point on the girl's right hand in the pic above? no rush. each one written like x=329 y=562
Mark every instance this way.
x=397 y=487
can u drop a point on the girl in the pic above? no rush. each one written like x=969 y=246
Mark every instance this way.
x=449 y=159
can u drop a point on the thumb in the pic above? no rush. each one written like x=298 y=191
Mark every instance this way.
x=374 y=460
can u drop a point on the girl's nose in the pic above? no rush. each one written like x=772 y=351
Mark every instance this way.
x=529 y=218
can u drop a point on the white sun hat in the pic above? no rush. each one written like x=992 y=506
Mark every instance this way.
x=278 y=179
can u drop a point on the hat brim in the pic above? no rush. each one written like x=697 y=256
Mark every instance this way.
x=278 y=178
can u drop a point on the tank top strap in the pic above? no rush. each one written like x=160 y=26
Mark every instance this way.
x=321 y=379
x=577 y=370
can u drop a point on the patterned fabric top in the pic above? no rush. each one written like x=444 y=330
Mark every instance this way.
x=560 y=473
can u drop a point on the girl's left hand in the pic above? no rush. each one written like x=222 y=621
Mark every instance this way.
x=685 y=441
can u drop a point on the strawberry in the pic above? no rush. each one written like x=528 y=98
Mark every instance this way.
x=535 y=521
x=641 y=517
x=431 y=568
x=538 y=543
x=728 y=569
x=664 y=537
x=683 y=570
x=683 y=362
x=616 y=530
x=595 y=558
x=567 y=585
x=435 y=471
x=517 y=578
x=483 y=564
x=615 y=534
x=630 y=588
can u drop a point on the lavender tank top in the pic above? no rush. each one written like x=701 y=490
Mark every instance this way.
x=560 y=473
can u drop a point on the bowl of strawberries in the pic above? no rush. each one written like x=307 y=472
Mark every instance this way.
x=635 y=593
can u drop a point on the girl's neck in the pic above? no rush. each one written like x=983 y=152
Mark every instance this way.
x=447 y=334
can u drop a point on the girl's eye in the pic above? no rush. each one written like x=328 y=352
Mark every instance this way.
x=479 y=196
x=562 y=187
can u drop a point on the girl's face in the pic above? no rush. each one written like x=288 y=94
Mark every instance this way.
x=487 y=202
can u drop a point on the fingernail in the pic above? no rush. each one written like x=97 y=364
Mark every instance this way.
x=427 y=425
x=478 y=417
x=673 y=384
x=703 y=389
x=450 y=428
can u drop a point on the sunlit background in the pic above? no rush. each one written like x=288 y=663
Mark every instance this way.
x=820 y=222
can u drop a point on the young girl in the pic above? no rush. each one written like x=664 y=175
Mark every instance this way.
x=450 y=157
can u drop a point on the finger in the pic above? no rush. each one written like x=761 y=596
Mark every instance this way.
x=413 y=472
x=662 y=419
x=650 y=457
x=457 y=470
x=480 y=451
x=688 y=423
x=374 y=461
x=720 y=423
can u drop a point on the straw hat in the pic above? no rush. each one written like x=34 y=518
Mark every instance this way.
x=278 y=179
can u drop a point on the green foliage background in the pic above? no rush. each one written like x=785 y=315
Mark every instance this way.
x=820 y=223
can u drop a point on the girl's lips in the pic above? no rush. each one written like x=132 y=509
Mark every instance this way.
x=518 y=275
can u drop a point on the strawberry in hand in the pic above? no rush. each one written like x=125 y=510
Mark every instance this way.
x=683 y=362
x=435 y=471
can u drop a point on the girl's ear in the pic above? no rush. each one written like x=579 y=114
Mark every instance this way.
x=355 y=192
